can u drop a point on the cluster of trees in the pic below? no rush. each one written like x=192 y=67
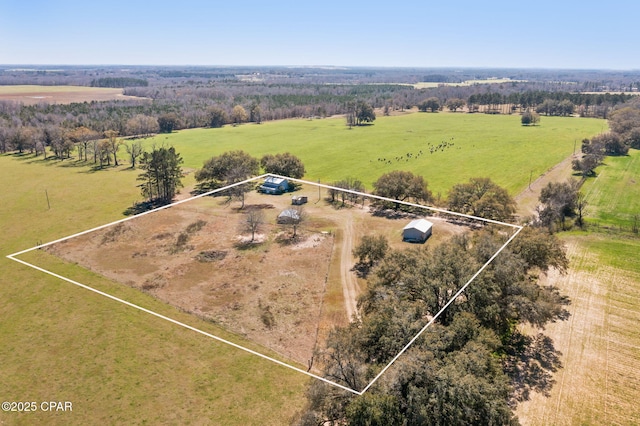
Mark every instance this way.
x=172 y=104
x=560 y=201
x=473 y=364
x=349 y=184
x=479 y=197
x=403 y=186
x=360 y=113
x=624 y=133
x=162 y=175
x=119 y=82
x=233 y=167
x=559 y=103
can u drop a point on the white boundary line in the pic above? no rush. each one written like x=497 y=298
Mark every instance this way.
x=235 y=345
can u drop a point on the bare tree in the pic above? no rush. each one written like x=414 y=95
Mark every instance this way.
x=134 y=149
x=298 y=216
x=252 y=221
x=113 y=144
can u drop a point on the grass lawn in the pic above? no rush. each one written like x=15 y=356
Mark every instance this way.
x=614 y=195
x=483 y=145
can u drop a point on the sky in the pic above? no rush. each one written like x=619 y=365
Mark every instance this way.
x=566 y=34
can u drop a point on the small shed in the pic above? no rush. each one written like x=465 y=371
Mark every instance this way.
x=417 y=231
x=274 y=185
x=288 y=216
x=299 y=200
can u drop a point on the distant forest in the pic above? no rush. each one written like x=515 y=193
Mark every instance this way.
x=174 y=98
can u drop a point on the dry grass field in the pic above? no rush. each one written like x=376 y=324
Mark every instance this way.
x=31 y=95
x=196 y=257
x=600 y=343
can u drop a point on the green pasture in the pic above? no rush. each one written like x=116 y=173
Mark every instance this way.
x=119 y=365
x=495 y=146
x=614 y=194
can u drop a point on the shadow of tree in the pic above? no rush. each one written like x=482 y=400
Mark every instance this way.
x=530 y=363
x=143 y=206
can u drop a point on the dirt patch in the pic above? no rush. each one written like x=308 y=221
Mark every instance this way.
x=33 y=95
x=270 y=290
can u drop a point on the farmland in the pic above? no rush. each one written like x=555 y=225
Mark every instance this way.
x=31 y=94
x=613 y=195
x=600 y=381
x=119 y=365
x=471 y=146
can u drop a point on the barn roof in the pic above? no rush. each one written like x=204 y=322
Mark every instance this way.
x=421 y=225
x=290 y=213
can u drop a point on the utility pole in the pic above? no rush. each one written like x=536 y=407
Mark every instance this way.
x=47 y=195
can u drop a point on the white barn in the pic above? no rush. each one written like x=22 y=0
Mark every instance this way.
x=417 y=231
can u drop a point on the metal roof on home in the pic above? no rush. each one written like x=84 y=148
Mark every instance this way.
x=274 y=180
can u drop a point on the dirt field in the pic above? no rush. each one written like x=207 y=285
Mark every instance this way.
x=273 y=291
x=32 y=95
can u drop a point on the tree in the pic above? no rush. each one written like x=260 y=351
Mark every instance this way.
x=142 y=125
x=540 y=249
x=454 y=103
x=83 y=136
x=372 y=249
x=238 y=115
x=113 y=144
x=167 y=123
x=351 y=115
x=350 y=184
x=229 y=168
x=285 y=164
x=217 y=117
x=134 y=149
x=530 y=118
x=624 y=120
x=364 y=113
x=450 y=375
x=218 y=169
x=586 y=165
x=252 y=221
x=481 y=197
x=296 y=217
x=430 y=104
x=58 y=140
x=402 y=186
x=558 y=201
x=581 y=205
x=162 y=174
x=255 y=113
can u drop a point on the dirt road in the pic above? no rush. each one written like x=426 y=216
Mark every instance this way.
x=527 y=200
x=350 y=287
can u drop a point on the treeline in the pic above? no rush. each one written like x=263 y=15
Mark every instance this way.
x=174 y=104
x=551 y=103
x=119 y=82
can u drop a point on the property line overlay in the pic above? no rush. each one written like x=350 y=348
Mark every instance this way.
x=517 y=228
